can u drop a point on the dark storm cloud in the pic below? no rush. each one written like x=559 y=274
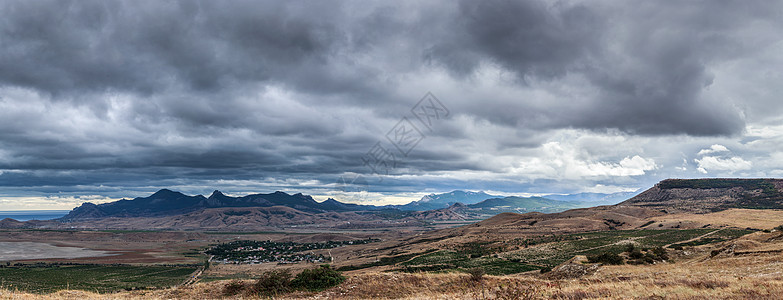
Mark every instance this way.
x=527 y=37
x=205 y=47
x=60 y=46
x=169 y=91
x=649 y=62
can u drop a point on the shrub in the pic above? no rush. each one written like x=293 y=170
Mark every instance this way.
x=605 y=258
x=779 y=228
x=660 y=253
x=273 y=283
x=476 y=274
x=233 y=288
x=317 y=279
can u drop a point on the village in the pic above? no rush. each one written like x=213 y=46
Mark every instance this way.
x=257 y=252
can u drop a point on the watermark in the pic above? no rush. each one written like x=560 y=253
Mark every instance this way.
x=384 y=156
x=405 y=136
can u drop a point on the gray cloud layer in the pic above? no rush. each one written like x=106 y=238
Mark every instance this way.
x=149 y=93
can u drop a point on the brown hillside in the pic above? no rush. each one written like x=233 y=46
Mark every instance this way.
x=709 y=195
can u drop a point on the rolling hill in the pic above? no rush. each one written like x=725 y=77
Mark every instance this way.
x=673 y=206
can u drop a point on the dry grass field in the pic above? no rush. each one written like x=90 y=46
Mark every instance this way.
x=735 y=217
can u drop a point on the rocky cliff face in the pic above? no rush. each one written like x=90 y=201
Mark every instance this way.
x=708 y=195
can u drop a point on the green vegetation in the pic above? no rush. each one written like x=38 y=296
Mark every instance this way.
x=273 y=283
x=279 y=282
x=723 y=235
x=476 y=249
x=447 y=261
x=606 y=258
x=638 y=256
x=641 y=246
x=317 y=279
x=46 y=278
x=562 y=248
x=253 y=252
x=647 y=224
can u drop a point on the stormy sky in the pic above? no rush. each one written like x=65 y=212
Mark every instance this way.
x=101 y=100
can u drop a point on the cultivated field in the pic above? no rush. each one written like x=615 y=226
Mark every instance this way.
x=95 y=278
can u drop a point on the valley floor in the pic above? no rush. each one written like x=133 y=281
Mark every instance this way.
x=747 y=268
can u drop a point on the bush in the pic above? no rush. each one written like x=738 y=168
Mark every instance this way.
x=635 y=254
x=273 y=283
x=233 y=288
x=317 y=279
x=605 y=258
x=660 y=253
x=476 y=274
x=779 y=228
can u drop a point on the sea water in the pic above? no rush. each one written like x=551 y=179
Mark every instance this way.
x=27 y=215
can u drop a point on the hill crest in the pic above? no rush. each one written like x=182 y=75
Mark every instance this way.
x=710 y=195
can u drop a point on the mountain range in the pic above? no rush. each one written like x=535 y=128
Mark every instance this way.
x=167 y=202
x=438 y=201
x=167 y=209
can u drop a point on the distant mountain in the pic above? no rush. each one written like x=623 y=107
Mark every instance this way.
x=525 y=204
x=595 y=197
x=438 y=201
x=711 y=194
x=167 y=203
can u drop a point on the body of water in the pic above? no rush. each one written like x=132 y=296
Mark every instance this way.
x=30 y=250
x=27 y=215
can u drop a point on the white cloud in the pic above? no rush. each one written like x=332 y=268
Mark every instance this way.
x=608 y=189
x=50 y=202
x=567 y=161
x=722 y=164
x=713 y=149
